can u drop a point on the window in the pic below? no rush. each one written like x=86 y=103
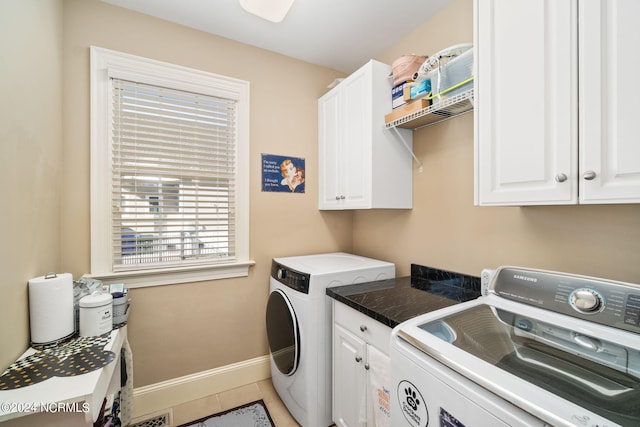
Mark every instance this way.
x=169 y=172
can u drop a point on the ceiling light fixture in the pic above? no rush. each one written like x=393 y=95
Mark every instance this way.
x=271 y=10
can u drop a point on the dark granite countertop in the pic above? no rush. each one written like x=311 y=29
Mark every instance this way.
x=393 y=301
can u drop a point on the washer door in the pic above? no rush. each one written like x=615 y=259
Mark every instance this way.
x=283 y=333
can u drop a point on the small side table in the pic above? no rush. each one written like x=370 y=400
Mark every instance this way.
x=78 y=393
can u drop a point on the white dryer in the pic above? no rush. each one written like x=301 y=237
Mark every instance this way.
x=299 y=327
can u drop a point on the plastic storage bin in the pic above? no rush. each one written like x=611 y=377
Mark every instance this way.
x=452 y=78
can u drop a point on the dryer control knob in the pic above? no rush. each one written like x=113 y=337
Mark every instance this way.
x=282 y=273
x=586 y=300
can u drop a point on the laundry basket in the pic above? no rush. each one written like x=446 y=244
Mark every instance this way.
x=404 y=67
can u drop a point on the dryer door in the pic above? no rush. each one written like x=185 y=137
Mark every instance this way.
x=283 y=332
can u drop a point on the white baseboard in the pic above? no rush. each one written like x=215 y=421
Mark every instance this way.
x=154 y=398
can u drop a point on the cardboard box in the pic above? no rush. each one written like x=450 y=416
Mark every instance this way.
x=417 y=90
x=407 y=109
x=397 y=95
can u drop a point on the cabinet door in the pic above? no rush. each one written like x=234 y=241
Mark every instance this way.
x=349 y=379
x=526 y=110
x=329 y=134
x=356 y=144
x=609 y=90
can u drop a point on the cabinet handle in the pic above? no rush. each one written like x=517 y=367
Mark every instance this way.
x=366 y=366
x=363 y=328
x=358 y=359
x=561 y=177
x=589 y=175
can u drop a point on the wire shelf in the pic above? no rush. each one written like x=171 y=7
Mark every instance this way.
x=442 y=110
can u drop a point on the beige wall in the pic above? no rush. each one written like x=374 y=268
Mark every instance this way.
x=30 y=159
x=182 y=329
x=174 y=330
x=445 y=230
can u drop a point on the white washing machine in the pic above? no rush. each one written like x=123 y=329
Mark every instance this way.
x=540 y=349
x=299 y=327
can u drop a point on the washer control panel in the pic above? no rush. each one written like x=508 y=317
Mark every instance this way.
x=607 y=302
x=290 y=277
x=586 y=300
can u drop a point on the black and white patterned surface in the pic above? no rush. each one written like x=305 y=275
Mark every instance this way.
x=76 y=357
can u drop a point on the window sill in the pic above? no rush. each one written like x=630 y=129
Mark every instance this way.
x=174 y=276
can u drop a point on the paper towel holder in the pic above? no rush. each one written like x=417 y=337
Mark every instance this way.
x=51 y=311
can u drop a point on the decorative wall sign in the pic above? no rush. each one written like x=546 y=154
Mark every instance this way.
x=283 y=174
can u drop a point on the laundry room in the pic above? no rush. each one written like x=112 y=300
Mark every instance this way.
x=441 y=201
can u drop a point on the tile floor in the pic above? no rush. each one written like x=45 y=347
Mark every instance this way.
x=230 y=399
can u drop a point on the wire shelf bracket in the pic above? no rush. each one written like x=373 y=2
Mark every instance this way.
x=443 y=109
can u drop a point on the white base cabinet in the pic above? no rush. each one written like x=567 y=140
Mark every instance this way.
x=356 y=337
x=556 y=88
x=362 y=165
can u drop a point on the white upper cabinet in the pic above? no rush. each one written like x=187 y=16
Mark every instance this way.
x=361 y=165
x=554 y=88
x=609 y=90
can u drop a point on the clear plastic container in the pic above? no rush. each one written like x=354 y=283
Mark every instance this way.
x=452 y=78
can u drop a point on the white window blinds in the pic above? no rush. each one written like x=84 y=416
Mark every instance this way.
x=173 y=170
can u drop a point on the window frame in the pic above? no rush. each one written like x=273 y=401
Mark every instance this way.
x=107 y=64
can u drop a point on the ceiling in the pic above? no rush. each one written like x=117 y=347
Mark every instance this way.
x=338 y=34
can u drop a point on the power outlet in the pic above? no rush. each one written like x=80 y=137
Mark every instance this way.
x=485 y=279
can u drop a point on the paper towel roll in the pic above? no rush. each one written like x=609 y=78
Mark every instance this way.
x=51 y=308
